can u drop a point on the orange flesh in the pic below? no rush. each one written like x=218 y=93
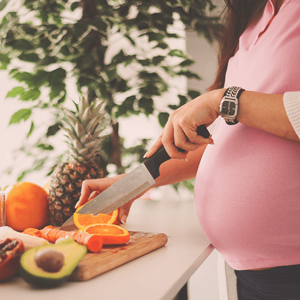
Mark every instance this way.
x=82 y=221
x=104 y=230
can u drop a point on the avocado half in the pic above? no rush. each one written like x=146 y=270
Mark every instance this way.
x=32 y=274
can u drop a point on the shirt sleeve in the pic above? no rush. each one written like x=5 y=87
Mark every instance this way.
x=291 y=101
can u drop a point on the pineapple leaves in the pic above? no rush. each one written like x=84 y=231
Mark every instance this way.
x=83 y=105
x=71 y=118
x=70 y=134
x=83 y=129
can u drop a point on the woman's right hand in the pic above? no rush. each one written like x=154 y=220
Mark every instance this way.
x=180 y=132
x=93 y=187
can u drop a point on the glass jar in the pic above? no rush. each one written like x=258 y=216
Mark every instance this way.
x=2 y=208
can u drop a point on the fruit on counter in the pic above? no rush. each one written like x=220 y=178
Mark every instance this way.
x=28 y=240
x=112 y=234
x=35 y=267
x=83 y=128
x=26 y=206
x=82 y=221
x=94 y=243
x=32 y=231
x=10 y=254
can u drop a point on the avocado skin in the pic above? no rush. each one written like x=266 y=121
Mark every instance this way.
x=34 y=275
x=41 y=281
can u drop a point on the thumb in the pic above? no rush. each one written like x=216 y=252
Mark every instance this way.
x=85 y=194
x=156 y=146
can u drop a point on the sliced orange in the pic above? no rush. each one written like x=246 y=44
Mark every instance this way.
x=82 y=221
x=32 y=231
x=112 y=234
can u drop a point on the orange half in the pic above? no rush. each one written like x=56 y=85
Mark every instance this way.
x=82 y=221
x=112 y=234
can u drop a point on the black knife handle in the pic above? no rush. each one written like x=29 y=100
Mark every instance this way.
x=153 y=163
x=203 y=131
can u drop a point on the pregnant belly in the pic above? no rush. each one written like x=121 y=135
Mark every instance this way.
x=246 y=194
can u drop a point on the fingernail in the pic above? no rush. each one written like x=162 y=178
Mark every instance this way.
x=145 y=155
x=183 y=159
x=76 y=205
x=123 y=219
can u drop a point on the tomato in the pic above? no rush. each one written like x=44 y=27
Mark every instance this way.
x=10 y=254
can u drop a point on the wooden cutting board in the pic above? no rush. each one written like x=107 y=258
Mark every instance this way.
x=94 y=264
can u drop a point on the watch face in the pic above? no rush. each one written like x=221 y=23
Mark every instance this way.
x=228 y=108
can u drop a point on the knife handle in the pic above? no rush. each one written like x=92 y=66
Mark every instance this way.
x=203 y=131
x=153 y=163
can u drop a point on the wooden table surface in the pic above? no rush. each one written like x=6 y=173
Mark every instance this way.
x=158 y=275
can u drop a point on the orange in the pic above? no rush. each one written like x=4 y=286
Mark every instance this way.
x=82 y=221
x=112 y=234
x=26 y=206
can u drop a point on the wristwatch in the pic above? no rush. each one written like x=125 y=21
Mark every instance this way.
x=229 y=104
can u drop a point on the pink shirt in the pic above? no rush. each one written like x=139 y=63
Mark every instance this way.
x=247 y=191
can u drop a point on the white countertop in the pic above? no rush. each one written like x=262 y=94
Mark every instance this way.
x=158 y=275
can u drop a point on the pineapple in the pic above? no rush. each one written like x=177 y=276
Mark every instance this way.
x=83 y=128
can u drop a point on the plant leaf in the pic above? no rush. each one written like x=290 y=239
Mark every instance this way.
x=30 y=57
x=74 y=5
x=4 y=60
x=18 y=90
x=45 y=147
x=32 y=94
x=22 y=114
x=163 y=119
x=177 y=53
x=3 y=3
x=147 y=105
x=30 y=130
x=53 y=129
x=193 y=94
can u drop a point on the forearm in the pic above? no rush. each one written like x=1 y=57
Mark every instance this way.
x=265 y=112
x=174 y=170
x=262 y=111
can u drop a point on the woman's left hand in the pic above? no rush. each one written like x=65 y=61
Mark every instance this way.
x=180 y=130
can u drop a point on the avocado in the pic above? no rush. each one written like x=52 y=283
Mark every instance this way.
x=51 y=265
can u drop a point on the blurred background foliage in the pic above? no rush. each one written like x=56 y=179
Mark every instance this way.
x=61 y=39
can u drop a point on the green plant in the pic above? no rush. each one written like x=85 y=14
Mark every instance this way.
x=79 y=40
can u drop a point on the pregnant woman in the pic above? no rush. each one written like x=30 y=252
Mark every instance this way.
x=247 y=183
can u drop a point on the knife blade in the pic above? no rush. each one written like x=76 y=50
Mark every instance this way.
x=131 y=185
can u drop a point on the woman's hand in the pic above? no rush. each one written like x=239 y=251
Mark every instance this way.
x=180 y=130
x=93 y=187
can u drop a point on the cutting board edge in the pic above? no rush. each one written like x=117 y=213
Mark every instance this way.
x=84 y=272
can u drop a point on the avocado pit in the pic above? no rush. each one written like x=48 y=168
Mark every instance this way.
x=49 y=260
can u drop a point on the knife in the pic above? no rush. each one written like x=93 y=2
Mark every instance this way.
x=129 y=186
